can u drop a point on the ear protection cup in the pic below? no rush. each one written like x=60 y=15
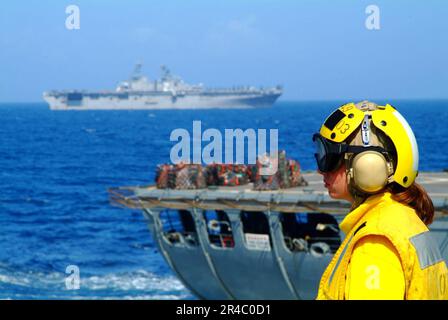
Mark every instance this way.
x=370 y=171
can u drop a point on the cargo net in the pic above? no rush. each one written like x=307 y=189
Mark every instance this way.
x=286 y=174
x=180 y=176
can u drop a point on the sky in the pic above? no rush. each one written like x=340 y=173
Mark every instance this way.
x=318 y=50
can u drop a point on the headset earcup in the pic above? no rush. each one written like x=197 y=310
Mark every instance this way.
x=370 y=171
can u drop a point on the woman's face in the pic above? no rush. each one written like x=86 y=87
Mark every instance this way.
x=336 y=183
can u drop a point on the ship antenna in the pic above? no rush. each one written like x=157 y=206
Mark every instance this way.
x=137 y=71
x=165 y=72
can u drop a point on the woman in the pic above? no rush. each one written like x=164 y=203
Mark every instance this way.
x=368 y=156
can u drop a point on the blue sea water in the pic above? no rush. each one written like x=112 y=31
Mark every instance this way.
x=55 y=168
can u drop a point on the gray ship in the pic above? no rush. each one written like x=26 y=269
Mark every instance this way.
x=169 y=92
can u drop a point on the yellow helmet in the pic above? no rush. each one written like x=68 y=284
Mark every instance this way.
x=377 y=141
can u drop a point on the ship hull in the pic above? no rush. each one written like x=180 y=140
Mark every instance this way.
x=241 y=273
x=85 y=101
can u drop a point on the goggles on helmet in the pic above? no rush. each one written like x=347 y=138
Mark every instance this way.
x=329 y=155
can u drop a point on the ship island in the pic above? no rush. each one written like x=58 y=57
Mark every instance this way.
x=168 y=92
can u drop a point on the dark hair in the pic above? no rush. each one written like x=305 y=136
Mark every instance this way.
x=416 y=197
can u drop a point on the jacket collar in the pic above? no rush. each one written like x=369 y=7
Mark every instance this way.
x=354 y=216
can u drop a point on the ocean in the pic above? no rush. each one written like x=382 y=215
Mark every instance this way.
x=56 y=167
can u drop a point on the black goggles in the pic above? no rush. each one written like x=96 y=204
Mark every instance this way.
x=329 y=155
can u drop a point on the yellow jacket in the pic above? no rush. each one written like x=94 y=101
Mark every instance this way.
x=388 y=253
